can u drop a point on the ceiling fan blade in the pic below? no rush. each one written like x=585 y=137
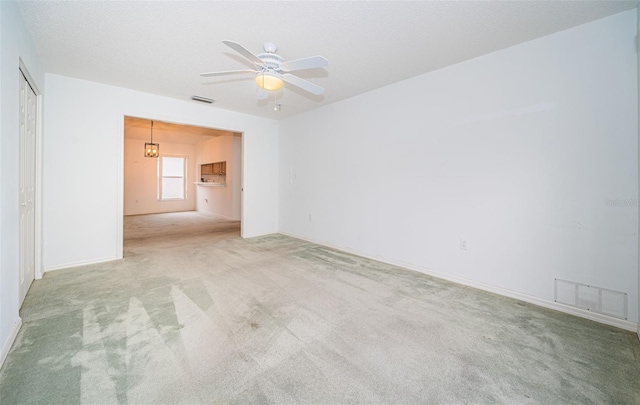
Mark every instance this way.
x=244 y=52
x=227 y=72
x=305 y=63
x=303 y=84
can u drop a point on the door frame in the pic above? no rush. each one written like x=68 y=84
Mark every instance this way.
x=120 y=174
x=37 y=234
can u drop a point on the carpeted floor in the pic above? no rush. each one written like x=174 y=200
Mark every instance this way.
x=194 y=314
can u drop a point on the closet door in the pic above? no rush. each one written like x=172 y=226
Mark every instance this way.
x=27 y=185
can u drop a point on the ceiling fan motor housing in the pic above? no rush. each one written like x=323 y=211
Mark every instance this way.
x=272 y=61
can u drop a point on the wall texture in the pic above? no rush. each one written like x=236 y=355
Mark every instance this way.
x=528 y=154
x=225 y=200
x=15 y=45
x=83 y=190
x=140 y=178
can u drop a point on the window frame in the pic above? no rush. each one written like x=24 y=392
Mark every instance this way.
x=160 y=176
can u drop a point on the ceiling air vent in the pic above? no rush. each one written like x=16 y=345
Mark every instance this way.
x=202 y=99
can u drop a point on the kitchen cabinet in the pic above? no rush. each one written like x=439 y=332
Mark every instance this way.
x=217 y=168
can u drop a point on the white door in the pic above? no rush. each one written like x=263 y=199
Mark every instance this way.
x=27 y=185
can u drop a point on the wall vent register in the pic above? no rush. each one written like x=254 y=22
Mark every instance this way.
x=594 y=299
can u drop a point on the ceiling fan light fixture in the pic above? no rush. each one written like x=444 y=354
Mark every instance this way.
x=269 y=81
x=272 y=70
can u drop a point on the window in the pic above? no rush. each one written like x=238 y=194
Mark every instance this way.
x=171 y=178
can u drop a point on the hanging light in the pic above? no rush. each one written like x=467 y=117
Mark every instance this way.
x=269 y=81
x=151 y=149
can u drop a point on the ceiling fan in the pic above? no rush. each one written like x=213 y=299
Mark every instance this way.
x=272 y=71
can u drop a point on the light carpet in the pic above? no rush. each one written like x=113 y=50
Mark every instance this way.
x=194 y=315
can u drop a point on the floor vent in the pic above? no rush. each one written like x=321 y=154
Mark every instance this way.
x=594 y=299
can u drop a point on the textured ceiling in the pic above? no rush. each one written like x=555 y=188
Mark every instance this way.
x=162 y=47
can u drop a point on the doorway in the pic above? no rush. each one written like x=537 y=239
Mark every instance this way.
x=27 y=186
x=196 y=149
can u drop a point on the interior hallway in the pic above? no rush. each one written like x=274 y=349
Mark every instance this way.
x=195 y=314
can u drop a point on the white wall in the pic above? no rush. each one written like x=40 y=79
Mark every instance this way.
x=83 y=190
x=224 y=200
x=140 y=178
x=519 y=152
x=236 y=173
x=15 y=45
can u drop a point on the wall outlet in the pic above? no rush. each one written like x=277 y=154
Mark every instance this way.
x=309 y=217
x=463 y=244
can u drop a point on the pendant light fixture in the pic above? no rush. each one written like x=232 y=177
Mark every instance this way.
x=151 y=149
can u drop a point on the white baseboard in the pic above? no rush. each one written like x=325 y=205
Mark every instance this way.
x=79 y=263
x=257 y=235
x=213 y=214
x=6 y=346
x=608 y=320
